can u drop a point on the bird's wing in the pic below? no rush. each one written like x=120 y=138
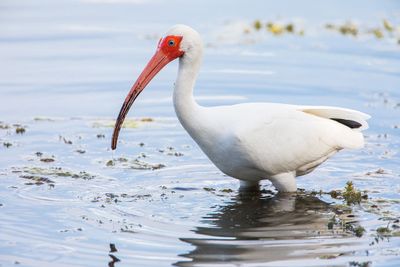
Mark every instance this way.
x=351 y=118
x=289 y=137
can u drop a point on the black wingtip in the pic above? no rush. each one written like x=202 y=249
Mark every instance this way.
x=349 y=123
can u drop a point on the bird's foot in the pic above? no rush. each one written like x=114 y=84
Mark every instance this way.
x=249 y=190
x=249 y=186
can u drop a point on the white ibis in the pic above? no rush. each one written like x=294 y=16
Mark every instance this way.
x=252 y=141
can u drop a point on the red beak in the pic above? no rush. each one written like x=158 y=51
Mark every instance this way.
x=156 y=63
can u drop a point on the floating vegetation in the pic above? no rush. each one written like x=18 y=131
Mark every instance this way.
x=109 y=198
x=378 y=33
x=43 y=119
x=275 y=28
x=383 y=231
x=226 y=190
x=52 y=172
x=384 y=29
x=379 y=171
x=141 y=165
x=65 y=140
x=100 y=136
x=348 y=28
x=170 y=151
x=209 y=189
x=351 y=194
x=360 y=264
x=387 y=25
x=134 y=164
x=114 y=259
x=329 y=256
x=128 y=123
x=358 y=230
x=37 y=180
x=20 y=130
x=257 y=25
x=47 y=160
x=347 y=224
x=4 y=126
x=113 y=248
x=7 y=144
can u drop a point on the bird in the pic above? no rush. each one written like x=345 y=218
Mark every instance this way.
x=248 y=141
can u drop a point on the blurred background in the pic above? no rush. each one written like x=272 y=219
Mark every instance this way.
x=74 y=58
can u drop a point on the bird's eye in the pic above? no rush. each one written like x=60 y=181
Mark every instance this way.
x=171 y=42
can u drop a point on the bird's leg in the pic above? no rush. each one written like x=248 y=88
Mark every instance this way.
x=249 y=186
x=284 y=182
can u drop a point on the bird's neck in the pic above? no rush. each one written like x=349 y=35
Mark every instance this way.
x=186 y=108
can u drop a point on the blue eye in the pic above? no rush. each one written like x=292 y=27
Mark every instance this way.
x=171 y=42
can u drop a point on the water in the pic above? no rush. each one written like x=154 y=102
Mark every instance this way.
x=66 y=67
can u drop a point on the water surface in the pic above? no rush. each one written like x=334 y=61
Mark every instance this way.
x=68 y=200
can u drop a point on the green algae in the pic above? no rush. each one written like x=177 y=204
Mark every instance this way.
x=257 y=25
x=133 y=164
x=351 y=195
x=53 y=172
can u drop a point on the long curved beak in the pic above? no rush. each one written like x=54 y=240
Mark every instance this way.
x=156 y=63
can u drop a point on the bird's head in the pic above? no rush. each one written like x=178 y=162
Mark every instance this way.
x=179 y=42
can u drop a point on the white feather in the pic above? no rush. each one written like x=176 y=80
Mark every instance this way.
x=258 y=141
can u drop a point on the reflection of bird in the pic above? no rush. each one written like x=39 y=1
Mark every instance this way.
x=280 y=217
x=253 y=229
x=251 y=141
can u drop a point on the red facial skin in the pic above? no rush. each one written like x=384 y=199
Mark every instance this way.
x=168 y=49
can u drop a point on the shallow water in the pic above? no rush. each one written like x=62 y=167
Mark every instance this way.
x=66 y=68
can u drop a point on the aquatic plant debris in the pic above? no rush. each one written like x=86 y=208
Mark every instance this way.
x=43 y=119
x=346 y=223
x=47 y=160
x=275 y=28
x=7 y=144
x=378 y=31
x=360 y=264
x=382 y=31
x=37 y=180
x=348 y=28
x=257 y=25
x=170 y=151
x=114 y=198
x=101 y=136
x=20 y=130
x=65 y=140
x=383 y=231
x=52 y=172
x=113 y=248
x=133 y=164
x=4 y=126
x=351 y=195
x=128 y=123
